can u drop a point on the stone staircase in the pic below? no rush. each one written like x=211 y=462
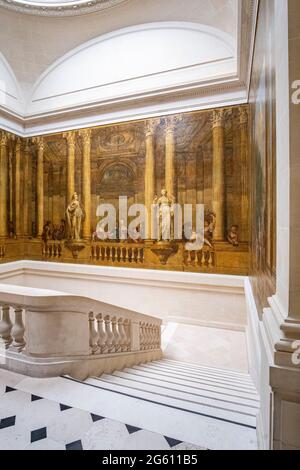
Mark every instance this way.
x=214 y=408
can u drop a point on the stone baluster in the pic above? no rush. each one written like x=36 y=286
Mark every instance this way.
x=110 y=336
x=150 y=336
x=18 y=331
x=153 y=336
x=116 y=336
x=127 y=328
x=6 y=327
x=142 y=335
x=146 y=343
x=122 y=334
x=102 y=340
x=94 y=336
x=156 y=344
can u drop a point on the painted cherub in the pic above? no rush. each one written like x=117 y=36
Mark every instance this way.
x=233 y=235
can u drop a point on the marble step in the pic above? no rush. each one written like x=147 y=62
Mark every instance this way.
x=204 y=384
x=187 y=427
x=183 y=396
x=212 y=370
x=206 y=375
x=162 y=372
x=209 y=391
x=204 y=410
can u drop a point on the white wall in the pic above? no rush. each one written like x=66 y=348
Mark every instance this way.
x=200 y=299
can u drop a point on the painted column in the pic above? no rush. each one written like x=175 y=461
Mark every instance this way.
x=170 y=155
x=244 y=229
x=150 y=171
x=18 y=224
x=86 y=181
x=40 y=185
x=218 y=180
x=4 y=184
x=71 y=140
x=26 y=189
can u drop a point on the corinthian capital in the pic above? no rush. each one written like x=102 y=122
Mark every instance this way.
x=39 y=142
x=150 y=126
x=4 y=137
x=243 y=116
x=85 y=135
x=70 y=138
x=218 y=117
x=171 y=122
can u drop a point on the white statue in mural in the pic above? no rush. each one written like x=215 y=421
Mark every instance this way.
x=75 y=216
x=164 y=212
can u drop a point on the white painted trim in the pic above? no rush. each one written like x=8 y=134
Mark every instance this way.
x=149 y=277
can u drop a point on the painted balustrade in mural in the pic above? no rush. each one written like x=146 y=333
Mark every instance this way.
x=52 y=250
x=117 y=252
x=2 y=252
x=202 y=258
x=52 y=331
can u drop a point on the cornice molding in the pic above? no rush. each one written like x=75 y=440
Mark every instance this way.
x=51 y=8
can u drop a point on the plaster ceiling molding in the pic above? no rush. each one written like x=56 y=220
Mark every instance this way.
x=135 y=62
x=59 y=8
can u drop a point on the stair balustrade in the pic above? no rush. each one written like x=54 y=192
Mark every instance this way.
x=46 y=333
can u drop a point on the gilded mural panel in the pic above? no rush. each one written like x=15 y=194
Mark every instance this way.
x=263 y=173
x=198 y=158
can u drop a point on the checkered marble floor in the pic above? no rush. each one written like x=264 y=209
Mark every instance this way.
x=29 y=422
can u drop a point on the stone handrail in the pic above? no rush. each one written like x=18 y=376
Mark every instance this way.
x=45 y=333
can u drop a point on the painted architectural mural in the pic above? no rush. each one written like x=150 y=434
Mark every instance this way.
x=52 y=187
x=263 y=152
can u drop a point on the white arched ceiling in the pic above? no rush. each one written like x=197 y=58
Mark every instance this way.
x=10 y=96
x=135 y=62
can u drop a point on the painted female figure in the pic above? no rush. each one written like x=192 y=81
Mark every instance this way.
x=75 y=216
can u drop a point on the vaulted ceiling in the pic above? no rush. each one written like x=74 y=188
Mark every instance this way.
x=31 y=43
